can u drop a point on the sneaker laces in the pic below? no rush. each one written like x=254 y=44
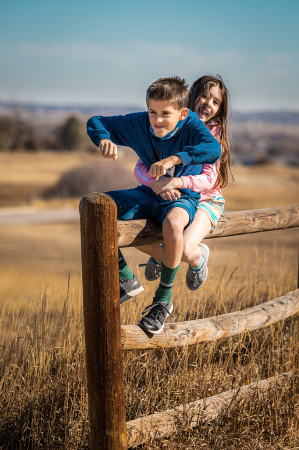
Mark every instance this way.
x=160 y=308
x=195 y=275
x=124 y=280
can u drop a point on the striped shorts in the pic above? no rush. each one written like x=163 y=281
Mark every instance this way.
x=213 y=208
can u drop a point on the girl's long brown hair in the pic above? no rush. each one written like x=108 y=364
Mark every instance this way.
x=201 y=87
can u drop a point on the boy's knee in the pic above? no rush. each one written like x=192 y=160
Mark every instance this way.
x=172 y=226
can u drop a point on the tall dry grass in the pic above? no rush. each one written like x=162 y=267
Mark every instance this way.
x=43 y=378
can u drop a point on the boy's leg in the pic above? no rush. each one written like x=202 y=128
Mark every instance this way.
x=134 y=203
x=173 y=228
x=124 y=269
x=173 y=234
x=129 y=285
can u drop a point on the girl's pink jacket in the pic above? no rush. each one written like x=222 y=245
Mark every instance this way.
x=203 y=183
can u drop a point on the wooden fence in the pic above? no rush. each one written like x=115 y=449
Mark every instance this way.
x=106 y=339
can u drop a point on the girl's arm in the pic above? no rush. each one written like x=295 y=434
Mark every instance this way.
x=197 y=183
x=141 y=174
x=203 y=182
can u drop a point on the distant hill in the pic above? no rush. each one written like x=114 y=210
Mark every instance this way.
x=59 y=111
x=267 y=117
x=255 y=137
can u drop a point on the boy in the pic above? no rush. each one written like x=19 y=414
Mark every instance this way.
x=170 y=140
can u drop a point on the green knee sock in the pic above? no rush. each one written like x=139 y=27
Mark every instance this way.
x=163 y=293
x=124 y=269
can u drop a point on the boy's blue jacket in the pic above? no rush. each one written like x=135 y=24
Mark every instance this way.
x=193 y=142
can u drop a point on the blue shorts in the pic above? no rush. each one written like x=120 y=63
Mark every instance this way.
x=142 y=203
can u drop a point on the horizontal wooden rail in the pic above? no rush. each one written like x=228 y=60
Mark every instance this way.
x=193 y=332
x=162 y=424
x=141 y=232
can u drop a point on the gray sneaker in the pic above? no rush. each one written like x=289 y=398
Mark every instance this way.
x=152 y=269
x=154 y=320
x=129 y=288
x=195 y=280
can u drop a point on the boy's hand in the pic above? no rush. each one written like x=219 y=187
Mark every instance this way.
x=159 y=168
x=164 y=184
x=108 y=149
x=171 y=195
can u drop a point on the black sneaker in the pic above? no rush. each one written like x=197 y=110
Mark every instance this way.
x=154 y=320
x=152 y=269
x=129 y=288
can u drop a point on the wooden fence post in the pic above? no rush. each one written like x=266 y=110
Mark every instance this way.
x=101 y=307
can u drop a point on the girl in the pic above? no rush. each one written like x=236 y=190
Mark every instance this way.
x=209 y=99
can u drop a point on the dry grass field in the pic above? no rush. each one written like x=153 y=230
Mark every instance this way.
x=42 y=371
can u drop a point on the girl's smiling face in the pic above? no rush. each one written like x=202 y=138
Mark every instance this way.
x=207 y=108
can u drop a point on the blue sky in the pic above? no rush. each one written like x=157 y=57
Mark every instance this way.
x=109 y=52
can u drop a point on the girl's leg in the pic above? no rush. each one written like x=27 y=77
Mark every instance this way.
x=195 y=253
x=193 y=236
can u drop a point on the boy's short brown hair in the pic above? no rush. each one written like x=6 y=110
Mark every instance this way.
x=173 y=89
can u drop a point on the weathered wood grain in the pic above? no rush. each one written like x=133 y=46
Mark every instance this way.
x=162 y=424
x=141 y=232
x=102 y=323
x=193 y=332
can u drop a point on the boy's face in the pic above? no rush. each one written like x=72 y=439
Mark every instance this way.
x=163 y=116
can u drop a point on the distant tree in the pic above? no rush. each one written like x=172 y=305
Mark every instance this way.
x=30 y=141
x=7 y=128
x=16 y=134
x=70 y=134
